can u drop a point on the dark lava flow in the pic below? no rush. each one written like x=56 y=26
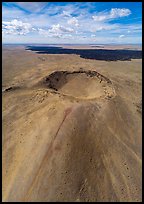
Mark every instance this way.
x=98 y=54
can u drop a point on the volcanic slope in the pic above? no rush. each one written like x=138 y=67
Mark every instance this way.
x=63 y=142
x=72 y=149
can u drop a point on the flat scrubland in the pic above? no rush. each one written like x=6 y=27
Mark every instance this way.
x=72 y=128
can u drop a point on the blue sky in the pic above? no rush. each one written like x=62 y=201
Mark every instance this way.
x=72 y=22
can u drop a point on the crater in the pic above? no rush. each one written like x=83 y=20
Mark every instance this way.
x=80 y=84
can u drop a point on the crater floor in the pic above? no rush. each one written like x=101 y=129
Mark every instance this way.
x=80 y=84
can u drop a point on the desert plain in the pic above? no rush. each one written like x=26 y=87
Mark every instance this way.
x=72 y=127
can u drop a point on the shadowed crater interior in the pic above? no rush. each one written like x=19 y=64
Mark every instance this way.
x=80 y=84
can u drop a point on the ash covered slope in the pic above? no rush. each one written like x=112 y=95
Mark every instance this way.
x=98 y=54
x=92 y=158
x=74 y=152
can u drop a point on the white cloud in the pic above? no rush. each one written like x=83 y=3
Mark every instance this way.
x=46 y=33
x=114 y=13
x=57 y=31
x=60 y=29
x=99 y=18
x=93 y=35
x=16 y=27
x=100 y=26
x=121 y=36
x=66 y=14
x=73 y=21
x=52 y=22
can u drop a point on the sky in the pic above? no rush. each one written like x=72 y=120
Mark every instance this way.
x=72 y=22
